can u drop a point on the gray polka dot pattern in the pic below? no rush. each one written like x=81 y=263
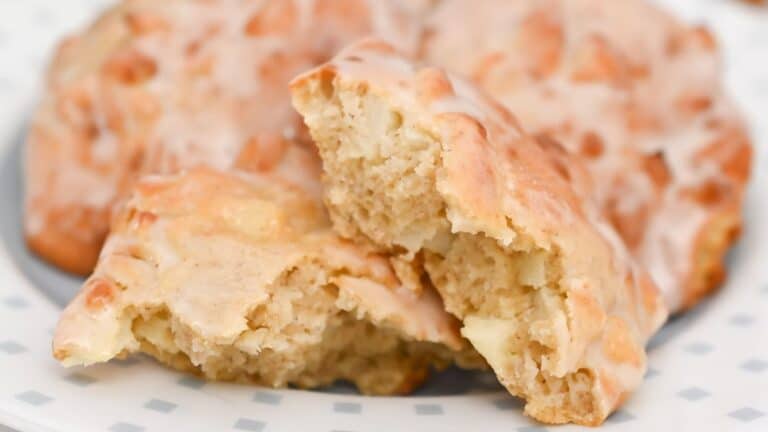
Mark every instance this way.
x=428 y=409
x=693 y=394
x=160 y=405
x=34 y=397
x=11 y=347
x=742 y=320
x=125 y=427
x=746 y=414
x=246 y=424
x=15 y=302
x=348 y=407
x=710 y=364
x=699 y=348
x=267 y=398
x=755 y=365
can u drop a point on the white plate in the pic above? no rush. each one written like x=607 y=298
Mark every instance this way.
x=708 y=369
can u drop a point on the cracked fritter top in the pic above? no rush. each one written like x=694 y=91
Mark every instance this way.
x=238 y=276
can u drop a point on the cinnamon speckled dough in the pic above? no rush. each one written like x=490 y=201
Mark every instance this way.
x=157 y=86
x=637 y=93
x=239 y=277
x=423 y=166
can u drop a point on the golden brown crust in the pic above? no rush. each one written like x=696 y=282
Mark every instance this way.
x=58 y=246
x=639 y=95
x=712 y=244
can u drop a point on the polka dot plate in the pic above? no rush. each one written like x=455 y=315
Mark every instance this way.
x=708 y=369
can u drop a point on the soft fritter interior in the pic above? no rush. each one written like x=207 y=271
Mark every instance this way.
x=378 y=165
x=382 y=168
x=299 y=337
x=514 y=314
